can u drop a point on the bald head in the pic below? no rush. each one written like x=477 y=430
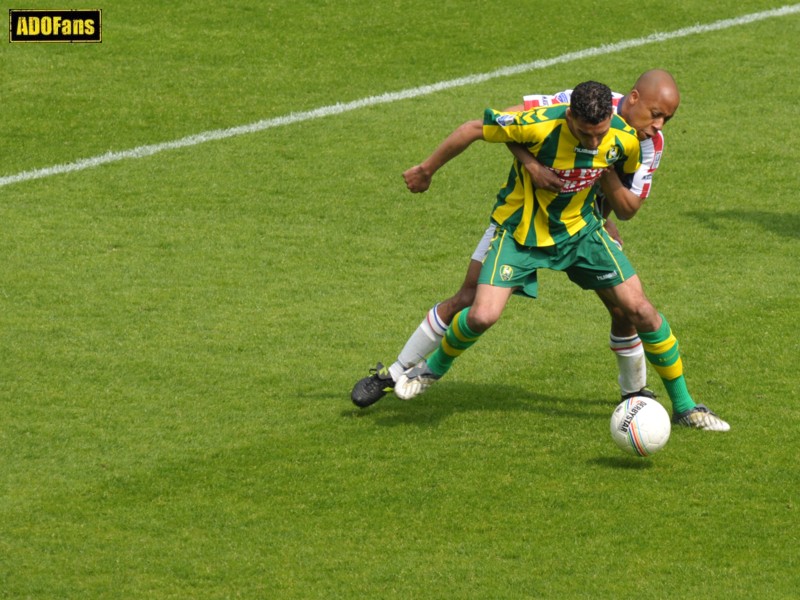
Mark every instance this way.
x=658 y=83
x=651 y=103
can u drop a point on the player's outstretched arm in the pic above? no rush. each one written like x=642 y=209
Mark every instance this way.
x=624 y=202
x=418 y=178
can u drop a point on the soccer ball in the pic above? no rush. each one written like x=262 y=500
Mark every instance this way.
x=640 y=426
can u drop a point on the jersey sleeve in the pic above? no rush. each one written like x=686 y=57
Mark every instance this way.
x=632 y=159
x=502 y=127
x=640 y=182
x=529 y=127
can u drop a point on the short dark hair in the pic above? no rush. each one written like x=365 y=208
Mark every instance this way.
x=591 y=102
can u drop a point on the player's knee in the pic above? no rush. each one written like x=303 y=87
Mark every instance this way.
x=642 y=315
x=480 y=319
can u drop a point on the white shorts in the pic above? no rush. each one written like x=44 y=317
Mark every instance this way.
x=483 y=246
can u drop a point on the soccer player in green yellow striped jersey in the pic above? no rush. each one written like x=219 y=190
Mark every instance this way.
x=543 y=218
x=538 y=228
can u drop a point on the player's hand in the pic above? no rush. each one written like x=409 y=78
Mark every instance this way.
x=417 y=179
x=612 y=230
x=543 y=178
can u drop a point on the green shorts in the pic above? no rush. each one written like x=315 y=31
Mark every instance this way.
x=591 y=259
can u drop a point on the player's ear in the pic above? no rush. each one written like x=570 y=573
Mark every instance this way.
x=633 y=96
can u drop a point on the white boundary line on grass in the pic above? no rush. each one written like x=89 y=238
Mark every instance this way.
x=339 y=108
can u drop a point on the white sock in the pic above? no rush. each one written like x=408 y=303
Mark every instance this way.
x=630 y=362
x=422 y=342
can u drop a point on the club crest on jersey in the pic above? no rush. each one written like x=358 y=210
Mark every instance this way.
x=506 y=273
x=504 y=120
x=612 y=155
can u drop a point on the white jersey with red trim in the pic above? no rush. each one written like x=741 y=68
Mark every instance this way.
x=641 y=181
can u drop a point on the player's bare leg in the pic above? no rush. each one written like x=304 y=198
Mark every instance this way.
x=429 y=333
x=662 y=350
x=424 y=340
x=467 y=327
x=628 y=352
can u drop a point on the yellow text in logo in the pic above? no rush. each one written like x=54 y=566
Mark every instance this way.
x=54 y=25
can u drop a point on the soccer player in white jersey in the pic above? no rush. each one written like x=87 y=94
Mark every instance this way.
x=651 y=102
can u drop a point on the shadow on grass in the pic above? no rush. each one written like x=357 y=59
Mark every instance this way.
x=449 y=398
x=784 y=224
x=622 y=462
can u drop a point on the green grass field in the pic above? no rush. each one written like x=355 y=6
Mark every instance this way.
x=179 y=333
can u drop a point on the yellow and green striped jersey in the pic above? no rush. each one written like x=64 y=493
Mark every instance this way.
x=539 y=217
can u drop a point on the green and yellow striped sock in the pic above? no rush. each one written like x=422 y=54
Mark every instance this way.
x=457 y=338
x=662 y=350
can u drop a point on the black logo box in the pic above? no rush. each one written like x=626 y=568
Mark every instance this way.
x=55 y=25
